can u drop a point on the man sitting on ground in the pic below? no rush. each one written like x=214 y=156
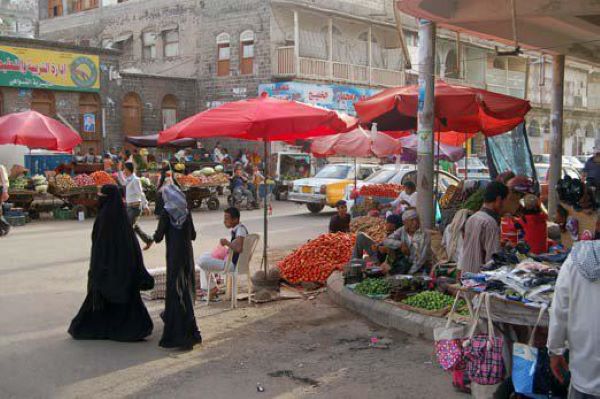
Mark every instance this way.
x=340 y=222
x=215 y=261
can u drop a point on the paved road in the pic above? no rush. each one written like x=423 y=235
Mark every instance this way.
x=43 y=270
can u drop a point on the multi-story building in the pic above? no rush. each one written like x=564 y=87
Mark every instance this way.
x=326 y=52
x=18 y=18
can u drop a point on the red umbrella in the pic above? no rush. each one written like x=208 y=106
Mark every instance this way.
x=34 y=130
x=455 y=139
x=357 y=143
x=262 y=118
x=457 y=108
x=265 y=119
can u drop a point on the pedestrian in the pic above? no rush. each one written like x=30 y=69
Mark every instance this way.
x=113 y=308
x=534 y=224
x=239 y=188
x=573 y=324
x=482 y=231
x=215 y=261
x=135 y=199
x=4 y=185
x=177 y=227
x=340 y=222
x=591 y=170
x=108 y=163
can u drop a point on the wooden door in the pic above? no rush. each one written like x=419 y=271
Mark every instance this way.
x=90 y=121
x=132 y=115
x=43 y=102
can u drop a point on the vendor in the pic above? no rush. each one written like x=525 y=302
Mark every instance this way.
x=340 y=222
x=90 y=157
x=406 y=199
x=533 y=222
x=365 y=244
x=415 y=242
x=591 y=171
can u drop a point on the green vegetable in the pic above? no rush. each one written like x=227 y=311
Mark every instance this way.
x=373 y=286
x=475 y=201
x=429 y=300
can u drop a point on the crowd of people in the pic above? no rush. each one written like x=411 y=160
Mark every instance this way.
x=113 y=308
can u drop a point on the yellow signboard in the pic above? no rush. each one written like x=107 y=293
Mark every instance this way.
x=47 y=69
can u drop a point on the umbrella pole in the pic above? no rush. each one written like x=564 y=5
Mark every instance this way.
x=265 y=215
x=437 y=174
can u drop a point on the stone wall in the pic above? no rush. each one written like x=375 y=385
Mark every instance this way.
x=19 y=18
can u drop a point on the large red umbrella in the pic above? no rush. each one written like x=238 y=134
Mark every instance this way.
x=357 y=143
x=455 y=139
x=457 y=108
x=34 y=130
x=265 y=119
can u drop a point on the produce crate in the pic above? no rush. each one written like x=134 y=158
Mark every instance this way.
x=160 y=284
x=63 y=214
x=16 y=220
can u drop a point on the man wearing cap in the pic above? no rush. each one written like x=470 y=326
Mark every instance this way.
x=591 y=170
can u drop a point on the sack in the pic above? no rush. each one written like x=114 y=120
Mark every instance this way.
x=220 y=252
x=449 y=339
x=485 y=365
x=530 y=370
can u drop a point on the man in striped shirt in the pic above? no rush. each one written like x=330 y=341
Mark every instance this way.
x=482 y=231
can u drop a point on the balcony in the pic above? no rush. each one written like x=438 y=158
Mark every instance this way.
x=287 y=65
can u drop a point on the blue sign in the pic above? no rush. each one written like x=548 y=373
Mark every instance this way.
x=334 y=97
x=89 y=123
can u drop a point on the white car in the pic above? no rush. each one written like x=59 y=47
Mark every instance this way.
x=328 y=186
x=476 y=170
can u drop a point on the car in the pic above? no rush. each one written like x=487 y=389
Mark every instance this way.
x=328 y=186
x=476 y=169
x=542 y=171
x=574 y=162
x=567 y=160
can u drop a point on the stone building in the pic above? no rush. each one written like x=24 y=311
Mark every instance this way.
x=326 y=52
x=82 y=87
x=18 y=18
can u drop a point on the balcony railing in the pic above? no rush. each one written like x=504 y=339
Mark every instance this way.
x=285 y=65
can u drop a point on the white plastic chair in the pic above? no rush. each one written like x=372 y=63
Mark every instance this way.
x=242 y=267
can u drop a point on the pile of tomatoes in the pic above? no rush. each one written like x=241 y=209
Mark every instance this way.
x=381 y=190
x=102 y=178
x=318 y=258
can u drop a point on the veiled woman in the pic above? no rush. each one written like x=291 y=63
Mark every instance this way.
x=113 y=308
x=181 y=330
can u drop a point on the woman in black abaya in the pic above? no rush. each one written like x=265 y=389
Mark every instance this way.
x=113 y=308
x=177 y=226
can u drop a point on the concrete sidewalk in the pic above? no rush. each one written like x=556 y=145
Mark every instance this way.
x=380 y=312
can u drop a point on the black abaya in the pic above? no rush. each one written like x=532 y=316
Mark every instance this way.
x=181 y=330
x=113 y=308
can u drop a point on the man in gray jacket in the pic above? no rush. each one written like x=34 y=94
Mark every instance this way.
x=574 y=321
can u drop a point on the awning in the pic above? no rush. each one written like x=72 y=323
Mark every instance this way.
x=169 y=27
x=123 y=37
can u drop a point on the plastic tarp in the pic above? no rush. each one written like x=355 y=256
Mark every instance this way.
x=510 y=152
x=442 y=151
x=457 y=108
x=357 y=143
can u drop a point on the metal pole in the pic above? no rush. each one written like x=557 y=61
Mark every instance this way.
x=266 y=210
x=425 y=117
x=558 y=88
x=296 y=43
x=330 y=48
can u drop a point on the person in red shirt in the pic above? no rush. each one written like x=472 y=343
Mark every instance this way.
x=533 y=222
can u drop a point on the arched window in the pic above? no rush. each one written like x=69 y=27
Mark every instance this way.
x=90 y=121
x=223 y=54
x=43 y=102
x=534 y=129
x=589 y=131
x=169 y=111
x=247 y=52
x=132 y=115
x=451 y=65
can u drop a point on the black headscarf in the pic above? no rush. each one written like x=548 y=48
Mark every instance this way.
x=117 y=266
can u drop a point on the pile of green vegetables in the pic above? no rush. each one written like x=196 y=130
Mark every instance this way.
x=373 y=286
x=429 y=300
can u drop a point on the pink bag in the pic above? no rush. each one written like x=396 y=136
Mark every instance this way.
x=449 y=339
x=485 y=365
x=220 y=252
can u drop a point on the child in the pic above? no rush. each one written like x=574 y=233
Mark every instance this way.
x=533 y=222
x=340 y=222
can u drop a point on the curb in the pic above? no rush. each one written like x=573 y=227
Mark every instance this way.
x=382 y=313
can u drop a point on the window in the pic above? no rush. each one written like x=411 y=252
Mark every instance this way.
x=534 y=129
x=149 y=45
x=247 y=53
x=82 y=5
x=107 y=43
x=171 y=43
x=55 y=8
x=169 y=111
x=223 y=54
x=589 y=131
x=451 y=65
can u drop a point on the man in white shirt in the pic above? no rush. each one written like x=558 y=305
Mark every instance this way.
x=4 y=226
x=135 y=200
x=406 y=199
x=574 y=321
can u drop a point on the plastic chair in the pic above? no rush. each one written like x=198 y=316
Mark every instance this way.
x=243 y=267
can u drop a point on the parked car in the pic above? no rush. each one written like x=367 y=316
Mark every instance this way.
x=574 y=162
x=328 y=186
x=476 y=169
x=567 y=160
x=542 y=170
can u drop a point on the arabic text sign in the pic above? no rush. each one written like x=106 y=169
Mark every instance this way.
x=46 y=69
x=334 y=97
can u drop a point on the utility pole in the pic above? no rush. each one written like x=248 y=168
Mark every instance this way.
x=425 y=119
x=556 y=149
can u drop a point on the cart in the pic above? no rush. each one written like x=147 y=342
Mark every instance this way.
x=79 y=199
x=195 y=195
